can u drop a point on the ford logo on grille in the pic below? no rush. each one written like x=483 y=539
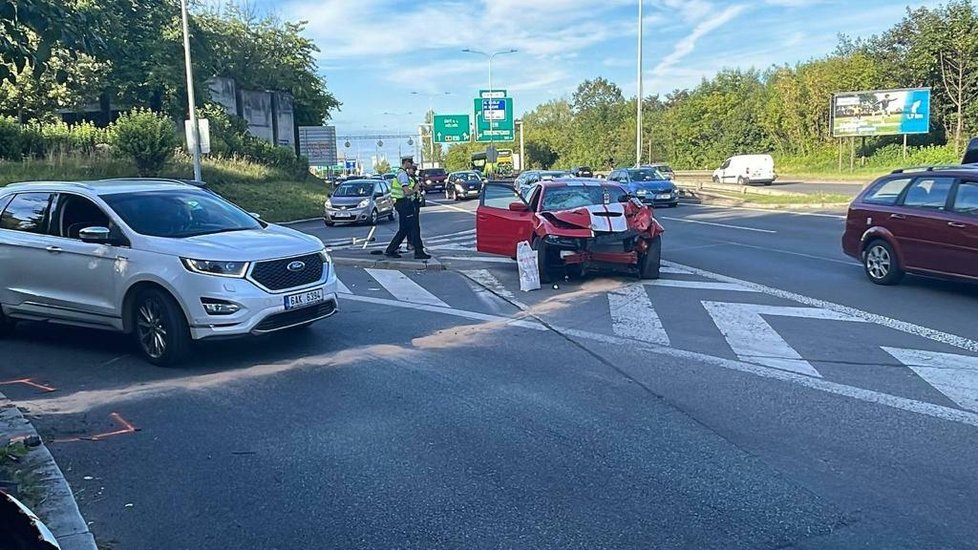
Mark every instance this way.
x=296 y=266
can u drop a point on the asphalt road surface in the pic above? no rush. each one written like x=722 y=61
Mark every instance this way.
x=762 y=394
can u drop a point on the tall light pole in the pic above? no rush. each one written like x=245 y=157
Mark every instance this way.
x=638 y=116
x=431 y=129
x=194 y=128
x=490 y=56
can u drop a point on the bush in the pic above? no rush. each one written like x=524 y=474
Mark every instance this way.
x=11 y=139
x=147 y=138
x=32 y=140
x=86 y=137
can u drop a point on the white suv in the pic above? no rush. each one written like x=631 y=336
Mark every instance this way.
x=164 y=260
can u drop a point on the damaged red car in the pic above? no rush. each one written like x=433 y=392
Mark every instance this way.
x=575 y=225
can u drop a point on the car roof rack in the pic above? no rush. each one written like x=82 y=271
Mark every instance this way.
x=935 y=168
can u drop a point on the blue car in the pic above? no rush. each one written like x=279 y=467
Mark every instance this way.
x=648 y=184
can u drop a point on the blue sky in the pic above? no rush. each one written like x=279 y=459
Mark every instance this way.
x=374 y=53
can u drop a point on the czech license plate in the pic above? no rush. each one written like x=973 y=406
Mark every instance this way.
x=303 y=299
x=342 y=215
x=664 y=196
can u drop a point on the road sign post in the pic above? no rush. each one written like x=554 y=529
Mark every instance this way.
x=451 y=129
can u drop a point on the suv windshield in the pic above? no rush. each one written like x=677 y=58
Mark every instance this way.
x=645 y=174
x=357 y=189
x=576 y=196
x=179 y=213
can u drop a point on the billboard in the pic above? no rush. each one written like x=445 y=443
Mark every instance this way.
x=881 y=112
x=318 y=144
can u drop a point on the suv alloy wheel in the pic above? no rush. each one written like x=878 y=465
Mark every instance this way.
x=160 y=328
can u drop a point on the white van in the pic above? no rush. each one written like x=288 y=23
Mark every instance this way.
x=745 y=170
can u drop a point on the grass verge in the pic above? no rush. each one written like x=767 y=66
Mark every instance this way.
x=808 y=198
x=24 y=482
x=275 y=194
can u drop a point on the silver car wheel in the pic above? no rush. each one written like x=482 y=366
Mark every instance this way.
x=878 y=262
x=152 y=331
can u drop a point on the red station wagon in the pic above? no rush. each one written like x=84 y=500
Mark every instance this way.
x=921 y=221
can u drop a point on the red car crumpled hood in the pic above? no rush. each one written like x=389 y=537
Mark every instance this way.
x=615 y=217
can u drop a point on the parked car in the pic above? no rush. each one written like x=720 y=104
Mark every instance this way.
x=164 y=261
x=433 y=179
x=363 y=201
x=573 y=224
x=648 y=184
x=582 y=172
x=663 y=169
x=923 y=222
x=746 y=169
x=530 y=177
x=463 y=185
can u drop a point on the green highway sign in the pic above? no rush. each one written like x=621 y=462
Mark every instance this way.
x=494 y=94
x=451 y=128
x=493 y=119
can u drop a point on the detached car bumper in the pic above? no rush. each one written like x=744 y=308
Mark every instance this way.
x=259 y=311
x=350 y=215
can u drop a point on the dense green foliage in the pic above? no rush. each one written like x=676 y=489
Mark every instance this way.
x=783 y=110
x=145 y=137
x=130 y=52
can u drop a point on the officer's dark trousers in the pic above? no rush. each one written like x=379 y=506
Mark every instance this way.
x=407 y=216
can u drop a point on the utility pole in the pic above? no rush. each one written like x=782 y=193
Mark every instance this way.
x=194 y=127
x=522 y=148
x=638 y=99
x=492 y=132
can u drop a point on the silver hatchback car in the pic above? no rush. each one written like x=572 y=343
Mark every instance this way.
x=359 y=201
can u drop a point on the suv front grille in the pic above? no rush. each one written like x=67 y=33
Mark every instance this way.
x=275 y=274
x=295 y=317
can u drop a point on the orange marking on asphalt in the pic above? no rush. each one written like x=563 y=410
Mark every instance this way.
x=127 y=428
x=29 y=382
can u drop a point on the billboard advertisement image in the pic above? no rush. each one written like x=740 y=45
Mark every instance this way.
x=881 y=112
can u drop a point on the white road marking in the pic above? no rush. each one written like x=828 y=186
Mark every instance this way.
x=633 y=316
x=487 y=259
x=673 y=270
x=690 y=357
x=771 y=211
x=698 y=285
x=403 y=288
x=342 y=288
x=728 y=226
x=451 y=207
x=902 y=326
x=956 y=376
x=802 y=254
x=453 y=246
x=468 y=234
x=488 y=280
x=754 y=340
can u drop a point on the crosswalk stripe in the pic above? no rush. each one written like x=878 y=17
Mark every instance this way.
x=673 y=270
x=342 y=288
x=403 y=288
x=455 y=240
x=633 y=316
x=488 y=280
x=451 y=246
x=486 y=259
x=699 y=285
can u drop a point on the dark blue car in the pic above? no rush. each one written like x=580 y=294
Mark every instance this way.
x=648 y=184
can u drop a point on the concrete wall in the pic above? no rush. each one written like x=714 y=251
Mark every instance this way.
x=224 y=92
x=283 y=119
x=256 y=109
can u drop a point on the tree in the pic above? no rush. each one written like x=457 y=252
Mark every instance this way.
x=30 y=31
x=382 y=166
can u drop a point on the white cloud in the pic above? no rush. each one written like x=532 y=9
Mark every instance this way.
x=688 y=43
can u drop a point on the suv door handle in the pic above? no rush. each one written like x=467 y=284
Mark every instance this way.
x=53 y=249
x=897 y=217
x=956 y=224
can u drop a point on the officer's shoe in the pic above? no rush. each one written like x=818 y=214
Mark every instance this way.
x=391 y=254
x=422 y=256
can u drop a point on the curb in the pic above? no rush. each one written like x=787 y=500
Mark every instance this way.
x=417 y=265
x=58 y=511
x=706 y=198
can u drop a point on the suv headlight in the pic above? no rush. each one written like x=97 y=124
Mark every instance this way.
x=363 y=203
x=235 y=270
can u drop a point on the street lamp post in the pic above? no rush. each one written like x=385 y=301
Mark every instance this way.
x=194 y=128
x=431 y=128
x=490 y=56
x=638 y=119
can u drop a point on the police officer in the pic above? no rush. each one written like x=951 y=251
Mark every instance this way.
x=403 y=191
x=416 y=243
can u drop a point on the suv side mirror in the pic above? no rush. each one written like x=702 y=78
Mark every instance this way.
x=96 y=235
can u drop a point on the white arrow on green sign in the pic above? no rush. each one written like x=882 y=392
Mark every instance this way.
x=451 y=128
